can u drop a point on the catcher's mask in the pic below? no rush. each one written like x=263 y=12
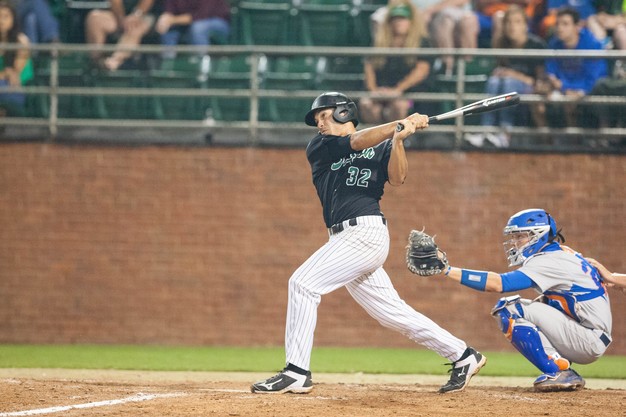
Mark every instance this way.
x=527 y=232
x=345 y=109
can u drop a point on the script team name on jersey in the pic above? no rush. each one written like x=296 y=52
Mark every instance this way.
x=365 y=153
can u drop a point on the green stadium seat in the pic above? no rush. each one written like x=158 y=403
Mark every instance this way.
x=265 y=23
x=480 y=66
x=362 y=27
x=229 y=72
x=72 y=72
x=182 y=72
x=324 y=24
x=341 y=73
x=120 y=106
x=294 y=73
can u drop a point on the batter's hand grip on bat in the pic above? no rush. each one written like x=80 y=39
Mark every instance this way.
x=399 y=127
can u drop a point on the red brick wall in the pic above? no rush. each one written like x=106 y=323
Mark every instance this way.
x=195 y=246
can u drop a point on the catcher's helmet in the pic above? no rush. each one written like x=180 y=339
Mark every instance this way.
x=345 y=109
x=531 y=230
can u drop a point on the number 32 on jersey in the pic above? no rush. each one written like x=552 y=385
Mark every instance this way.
x=358 y=177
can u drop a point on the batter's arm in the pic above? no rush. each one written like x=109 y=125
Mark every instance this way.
x=373 y=136
x=398 y=165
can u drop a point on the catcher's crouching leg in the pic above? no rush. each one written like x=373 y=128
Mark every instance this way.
x=525 y=337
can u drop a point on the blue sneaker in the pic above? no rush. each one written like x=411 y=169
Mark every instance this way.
x=567 y=380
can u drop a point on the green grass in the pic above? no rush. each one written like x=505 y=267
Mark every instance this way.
x=336 y=360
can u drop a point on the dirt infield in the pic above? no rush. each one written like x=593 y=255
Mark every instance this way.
x=132 y=393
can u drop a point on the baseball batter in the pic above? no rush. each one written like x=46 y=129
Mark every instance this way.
x=569 y=322
x=350 y=169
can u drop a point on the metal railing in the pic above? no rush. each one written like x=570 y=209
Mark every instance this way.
x=253 y=126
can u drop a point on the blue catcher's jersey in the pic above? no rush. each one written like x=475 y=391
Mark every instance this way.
x=569 y=284
x=349 y=183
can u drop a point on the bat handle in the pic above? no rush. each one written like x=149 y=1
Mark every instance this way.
x=399 y=127
x=432 y=119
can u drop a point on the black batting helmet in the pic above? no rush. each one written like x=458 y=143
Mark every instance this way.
x=345 y=109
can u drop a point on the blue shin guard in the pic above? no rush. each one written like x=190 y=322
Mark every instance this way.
x=526 y=339
x=525 y=336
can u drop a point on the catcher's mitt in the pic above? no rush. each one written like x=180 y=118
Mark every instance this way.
x=423 y=257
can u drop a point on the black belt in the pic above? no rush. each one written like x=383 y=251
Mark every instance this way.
x=339 y=227
x=605 y=339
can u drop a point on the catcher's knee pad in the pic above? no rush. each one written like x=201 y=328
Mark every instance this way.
x=527 y=340
x=506 y=311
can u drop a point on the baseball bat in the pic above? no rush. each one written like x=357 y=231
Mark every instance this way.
x=480 y=106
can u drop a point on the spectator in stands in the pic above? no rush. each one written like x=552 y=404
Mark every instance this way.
x=572 y=77
x=389 y=77
x=450 y=23
x=131 y=20
x=453 y=25
x=491 y=14
x=38 y=21
x=585 y=9
x=199 y=21
x=511 y=74
x=608 y=25
x=15 y=66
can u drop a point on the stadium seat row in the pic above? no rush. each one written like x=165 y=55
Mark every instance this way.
x=290 y=73
x=263 y=22
x=193 y=72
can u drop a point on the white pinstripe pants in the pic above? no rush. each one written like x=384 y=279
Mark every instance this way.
x=354 y=258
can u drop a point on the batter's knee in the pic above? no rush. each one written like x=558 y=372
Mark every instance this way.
x=301 y=284
x=295 y=282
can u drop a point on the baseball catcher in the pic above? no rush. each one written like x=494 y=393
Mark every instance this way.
x=570 y=321
x=423 y=256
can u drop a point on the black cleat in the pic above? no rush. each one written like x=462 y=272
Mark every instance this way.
x=463 y=370
x=283 y=382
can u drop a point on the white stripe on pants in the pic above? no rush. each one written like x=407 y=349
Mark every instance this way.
x=354 y=258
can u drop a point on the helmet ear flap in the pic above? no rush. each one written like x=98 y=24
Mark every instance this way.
x=345 y=113
x=345 y=109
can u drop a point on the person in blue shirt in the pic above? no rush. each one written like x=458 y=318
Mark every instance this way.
x=571 y=77
x=585 y=9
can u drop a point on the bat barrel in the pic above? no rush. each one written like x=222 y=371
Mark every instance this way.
x=481 y=106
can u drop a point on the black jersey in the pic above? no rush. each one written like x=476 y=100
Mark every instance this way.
x=349 y=183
